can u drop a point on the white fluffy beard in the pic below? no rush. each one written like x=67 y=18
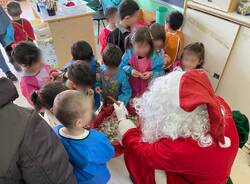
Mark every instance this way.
x=162 y=116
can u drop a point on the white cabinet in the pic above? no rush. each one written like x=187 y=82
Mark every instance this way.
x=218 y=36
x=235 y=82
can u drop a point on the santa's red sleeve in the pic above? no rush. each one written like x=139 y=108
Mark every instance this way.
x=167 y=155
x=29 y=30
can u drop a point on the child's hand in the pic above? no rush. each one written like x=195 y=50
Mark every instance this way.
x=167 y=61
x=135 y=73
x=147 y=75
x=98 y=90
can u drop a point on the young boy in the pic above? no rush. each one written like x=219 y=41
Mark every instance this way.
x=112 y=18
x=23 y=30
x=82 y=78
x=88 y=149
x=114 y=81
x=128 y=12
x=81 y=50
x=175 y=42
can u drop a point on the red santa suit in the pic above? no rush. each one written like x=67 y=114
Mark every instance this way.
x=183 y=160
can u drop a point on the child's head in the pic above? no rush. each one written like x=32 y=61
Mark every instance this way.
x=193 y=56
x=128 y=12
x=112 y=56
x=28 y=56
x=175 y=21
x=80 y=76
x=44 y=98
x=111 y=15
x=73 y=109
x=81 y=50
x=159 y=35
x=142 y=42
x=14 y=9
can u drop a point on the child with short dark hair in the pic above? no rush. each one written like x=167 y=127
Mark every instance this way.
x=23 y=30
x=175 y=42
x=193 y=57
x=114 y=81
x=128 y=12
x=44 y=99
x=82 y=50
x=82 y=78
x=140 y=62
x=88 y=150
x=111 y=15
x=35 y=73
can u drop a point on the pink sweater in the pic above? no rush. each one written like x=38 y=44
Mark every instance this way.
x=30 y=83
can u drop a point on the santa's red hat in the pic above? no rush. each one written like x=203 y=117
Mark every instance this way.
x=195 y=89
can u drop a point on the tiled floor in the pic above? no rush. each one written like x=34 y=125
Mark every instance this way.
x=240 y=172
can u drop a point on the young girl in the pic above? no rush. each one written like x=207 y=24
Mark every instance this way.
x=193 y=57
x=35 y=73
x=140 y=62
x=44 y=99
x=159 y=40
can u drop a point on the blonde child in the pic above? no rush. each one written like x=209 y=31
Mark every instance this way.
x=175 y=43
x=140 y=62
x=193 y=57
x=88 y=149
x=35 y=73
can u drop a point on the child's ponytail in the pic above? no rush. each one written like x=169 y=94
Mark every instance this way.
x=45 y=97
x=36 y=101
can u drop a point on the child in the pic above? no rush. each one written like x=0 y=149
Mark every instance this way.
x=159 y=40
x=193 y=57
x=128 y=12
x=82 y=78
x=44 y=99
x=114 y=81
x=159 y=36
x=109 y=3
x=23 y=30
x=88 y=149
x=82 y=50
x=175 y=42
x=142 y=63
x=111 y=17
x=35 y=73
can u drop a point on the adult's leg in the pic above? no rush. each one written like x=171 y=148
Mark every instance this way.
x=3 y=64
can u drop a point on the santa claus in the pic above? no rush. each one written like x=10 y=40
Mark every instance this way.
x=187 y=133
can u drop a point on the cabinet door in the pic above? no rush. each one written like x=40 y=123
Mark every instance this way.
x=218 y=36
x=235 y=83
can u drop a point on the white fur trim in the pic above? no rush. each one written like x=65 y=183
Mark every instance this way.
x=227 y=143
x=160 y=177
x=125 y=125
x=174 y=84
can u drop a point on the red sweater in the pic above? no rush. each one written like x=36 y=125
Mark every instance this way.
x=183 y=160
x=103 y=38
x=23 y=31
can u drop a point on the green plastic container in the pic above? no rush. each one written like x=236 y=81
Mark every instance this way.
x=161 y=14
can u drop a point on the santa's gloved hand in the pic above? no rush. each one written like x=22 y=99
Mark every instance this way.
x=120 y=111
